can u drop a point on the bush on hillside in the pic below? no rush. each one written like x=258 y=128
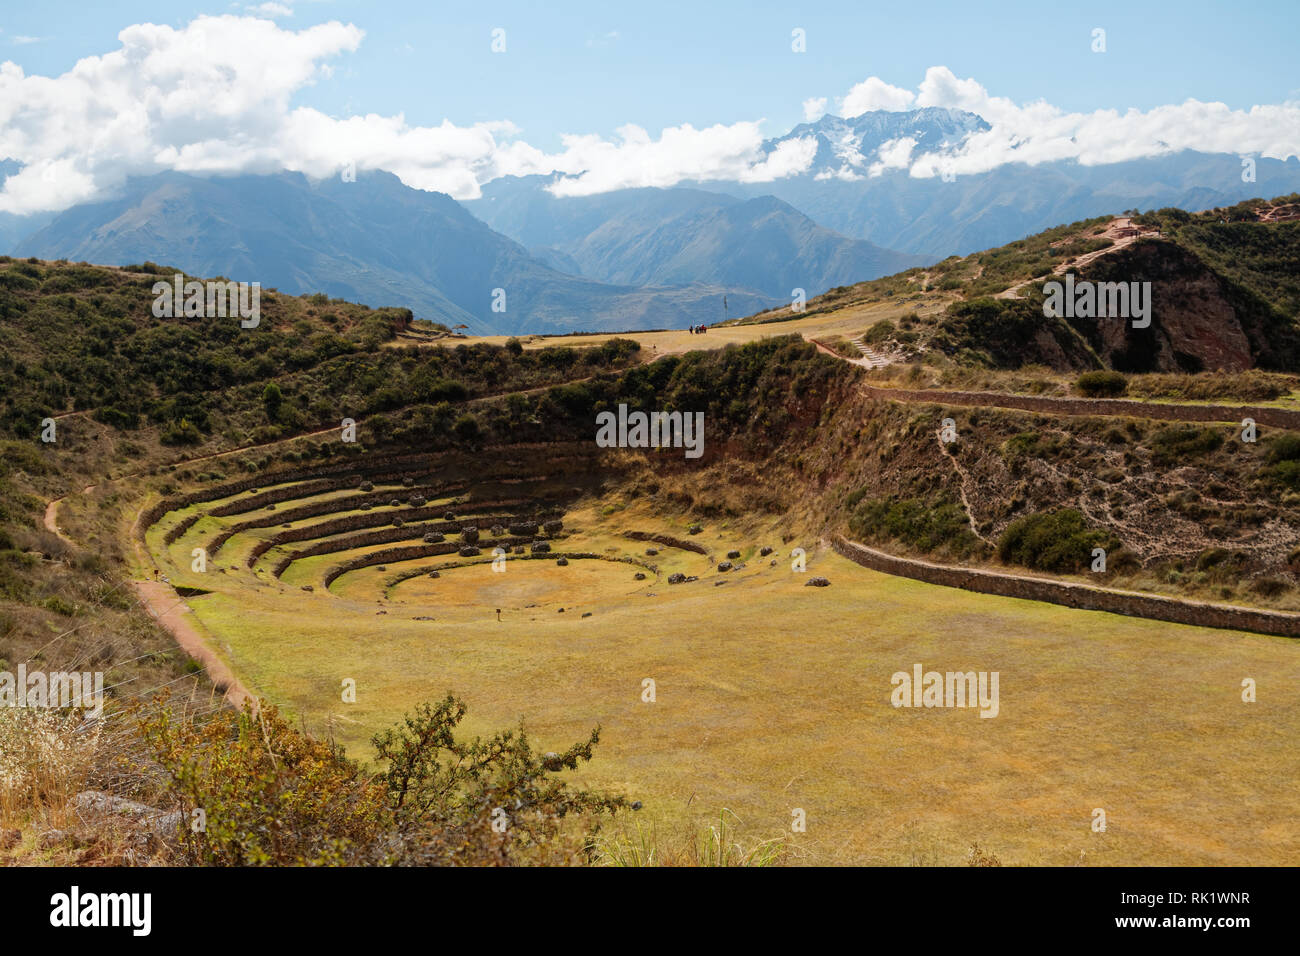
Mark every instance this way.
x=1102 y=384
x=274 y=796
x=919 y=525
x=1058 y=541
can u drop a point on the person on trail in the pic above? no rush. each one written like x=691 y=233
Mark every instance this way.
x=155 y=574
x=498 y=614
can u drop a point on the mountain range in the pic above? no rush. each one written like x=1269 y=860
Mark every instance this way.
x=630 y=258
x=373 y=240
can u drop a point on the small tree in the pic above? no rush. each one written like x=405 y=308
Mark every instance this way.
x=272 y=401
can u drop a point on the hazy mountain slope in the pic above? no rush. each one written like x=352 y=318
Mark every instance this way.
x=373 y=240
x=673 y=236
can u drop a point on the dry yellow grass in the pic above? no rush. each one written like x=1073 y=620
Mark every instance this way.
x=850 y=321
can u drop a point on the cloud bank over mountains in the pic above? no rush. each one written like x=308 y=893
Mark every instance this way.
x=215 y=97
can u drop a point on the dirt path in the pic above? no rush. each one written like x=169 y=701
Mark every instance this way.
x=52 y=521
x=1284 y=418
x=170 y=610
x=1120 y=231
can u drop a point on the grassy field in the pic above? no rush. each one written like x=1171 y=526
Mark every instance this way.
x=850 y=321
x=772 y=696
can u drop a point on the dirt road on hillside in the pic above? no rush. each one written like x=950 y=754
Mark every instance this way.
x=170 y=610
x=1120 y=231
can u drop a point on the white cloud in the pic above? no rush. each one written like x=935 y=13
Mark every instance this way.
x=682 y=152
x=21 y=40
x=164 y=101
x=874 y=93
x=893 y=154
x=269 y=9
x=814 y=108
x=1038 y=132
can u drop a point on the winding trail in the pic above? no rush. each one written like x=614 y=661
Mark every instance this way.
x=1285 y=418
x=1120 y=231
x=170 y=610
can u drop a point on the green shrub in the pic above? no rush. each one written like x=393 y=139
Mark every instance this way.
x=181 y=433
x=917 y=524
x=1284 y=448
x=1176 y=445
x=1058 y=541
x=1101 y=384
x=879 y=333
x=116 y=418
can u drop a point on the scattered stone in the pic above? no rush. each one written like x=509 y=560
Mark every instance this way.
x=398 y=522
x=639 y=576
x=308 y=587
x=553 y=527
x=498 y=530
x=817 y=583
x=677 y=578
x=694 y=529
x=408 y=482
x=381 y=612
x=724 y=566
x=773 y=564
x=636 y=804
x=739 y=566
x=469 y=534
x=733 y=554
x=449 y=516
x=422 y=617
x=51 y=838
x=524 y=529
x=395 y=503
x=418 y=501
x=434 y=574
x=469 y=551
x=271 y=506
x=382 y=567
x=434 y=537
x=562 y=562
x=561 y=611
x=285 y=525
x=718 y=584
x=540 y=547
x=587 y=614
x=652 y=551
x=367 y=486
x=764 y=551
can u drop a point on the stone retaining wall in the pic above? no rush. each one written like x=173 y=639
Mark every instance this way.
x=1105 y=407
x=1068 y=593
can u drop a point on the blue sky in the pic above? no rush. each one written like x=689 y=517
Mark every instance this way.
x=592 y=67
x=608 y=96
